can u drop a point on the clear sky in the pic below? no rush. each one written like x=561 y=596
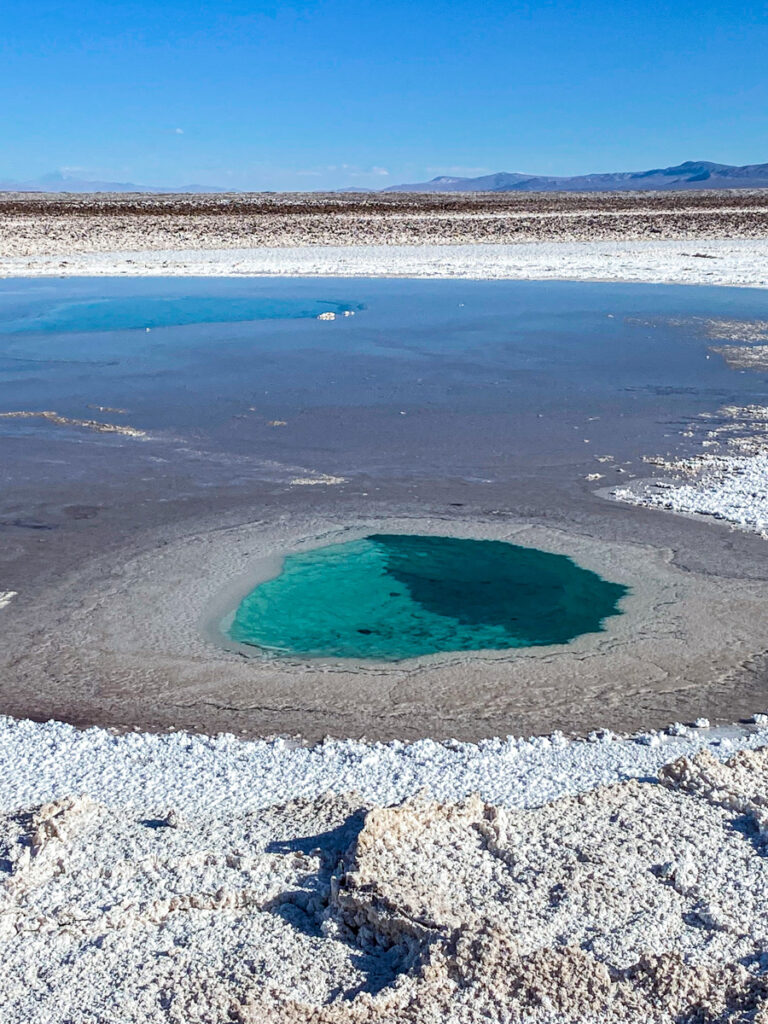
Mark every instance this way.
x=326 y=93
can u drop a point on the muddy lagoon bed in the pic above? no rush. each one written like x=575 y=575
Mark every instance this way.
x=167 y=444
x=244 y=820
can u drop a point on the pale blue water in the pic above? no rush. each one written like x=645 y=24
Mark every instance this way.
x=393 y=596
x=472 y=380
x=150 y=312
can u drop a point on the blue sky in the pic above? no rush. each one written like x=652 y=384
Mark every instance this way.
x=309 y=95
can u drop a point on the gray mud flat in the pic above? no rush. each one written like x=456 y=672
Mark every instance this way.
x=131 y=637
x=473 y=409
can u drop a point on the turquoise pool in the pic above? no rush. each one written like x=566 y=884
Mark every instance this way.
x=394 y=596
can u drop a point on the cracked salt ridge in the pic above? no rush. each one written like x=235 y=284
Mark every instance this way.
x=200 y=775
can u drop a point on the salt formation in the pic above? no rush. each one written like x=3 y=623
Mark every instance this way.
x=645 y=900
x=68 y=421
x=728 y=481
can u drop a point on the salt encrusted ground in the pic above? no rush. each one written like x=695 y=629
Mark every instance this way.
x=729 y=488
x=165 y=888
x=198 y=880
x=728 y=480
x=710 y=237
x=59 y=225
x=742 y=262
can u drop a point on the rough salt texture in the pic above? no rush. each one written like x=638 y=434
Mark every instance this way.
x=643 y=900
x=729 y=262
x=211 y=775
x=732 y=489
x=715 y=237
x=62 y=224
x=728 y=481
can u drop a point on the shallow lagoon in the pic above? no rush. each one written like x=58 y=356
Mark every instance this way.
x=397 y=596
x=477 y=409
x=237 y=380
x=474 y=379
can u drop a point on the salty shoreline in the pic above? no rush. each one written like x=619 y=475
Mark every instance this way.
x=188 y=875
x=732 y=262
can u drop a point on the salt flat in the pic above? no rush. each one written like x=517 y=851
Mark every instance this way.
x=167 y=887
x=738 y=261
x=636 y=236
x=200 y=878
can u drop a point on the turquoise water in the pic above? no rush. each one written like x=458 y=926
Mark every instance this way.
x=394 y=596
x=147 y=311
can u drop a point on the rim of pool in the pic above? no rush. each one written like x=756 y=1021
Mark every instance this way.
x=219 y=615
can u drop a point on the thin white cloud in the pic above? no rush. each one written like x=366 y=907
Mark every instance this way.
x=178 y=131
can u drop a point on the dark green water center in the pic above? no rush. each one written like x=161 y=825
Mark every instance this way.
x=394 y=596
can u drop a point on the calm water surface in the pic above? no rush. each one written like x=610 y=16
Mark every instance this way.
x=395 y=596
x=471 y=380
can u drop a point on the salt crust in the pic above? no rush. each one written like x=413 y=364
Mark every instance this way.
x=729 y=486
x=169 y=891
x=735 y=262
x=635 y=902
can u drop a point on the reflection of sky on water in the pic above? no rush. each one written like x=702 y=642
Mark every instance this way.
x=434 y=374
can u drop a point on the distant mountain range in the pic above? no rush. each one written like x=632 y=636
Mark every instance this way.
x=57 y=182
x=689 y=175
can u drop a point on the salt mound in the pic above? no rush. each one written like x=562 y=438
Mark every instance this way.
x=640 y=901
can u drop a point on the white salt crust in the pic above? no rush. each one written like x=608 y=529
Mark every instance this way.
x=211 y=775
x=734 y=262
x=172 y=893
x=734 y=489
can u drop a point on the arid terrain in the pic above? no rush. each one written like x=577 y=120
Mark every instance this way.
x=54 y=224
x=198 y=877
x=178 y=896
